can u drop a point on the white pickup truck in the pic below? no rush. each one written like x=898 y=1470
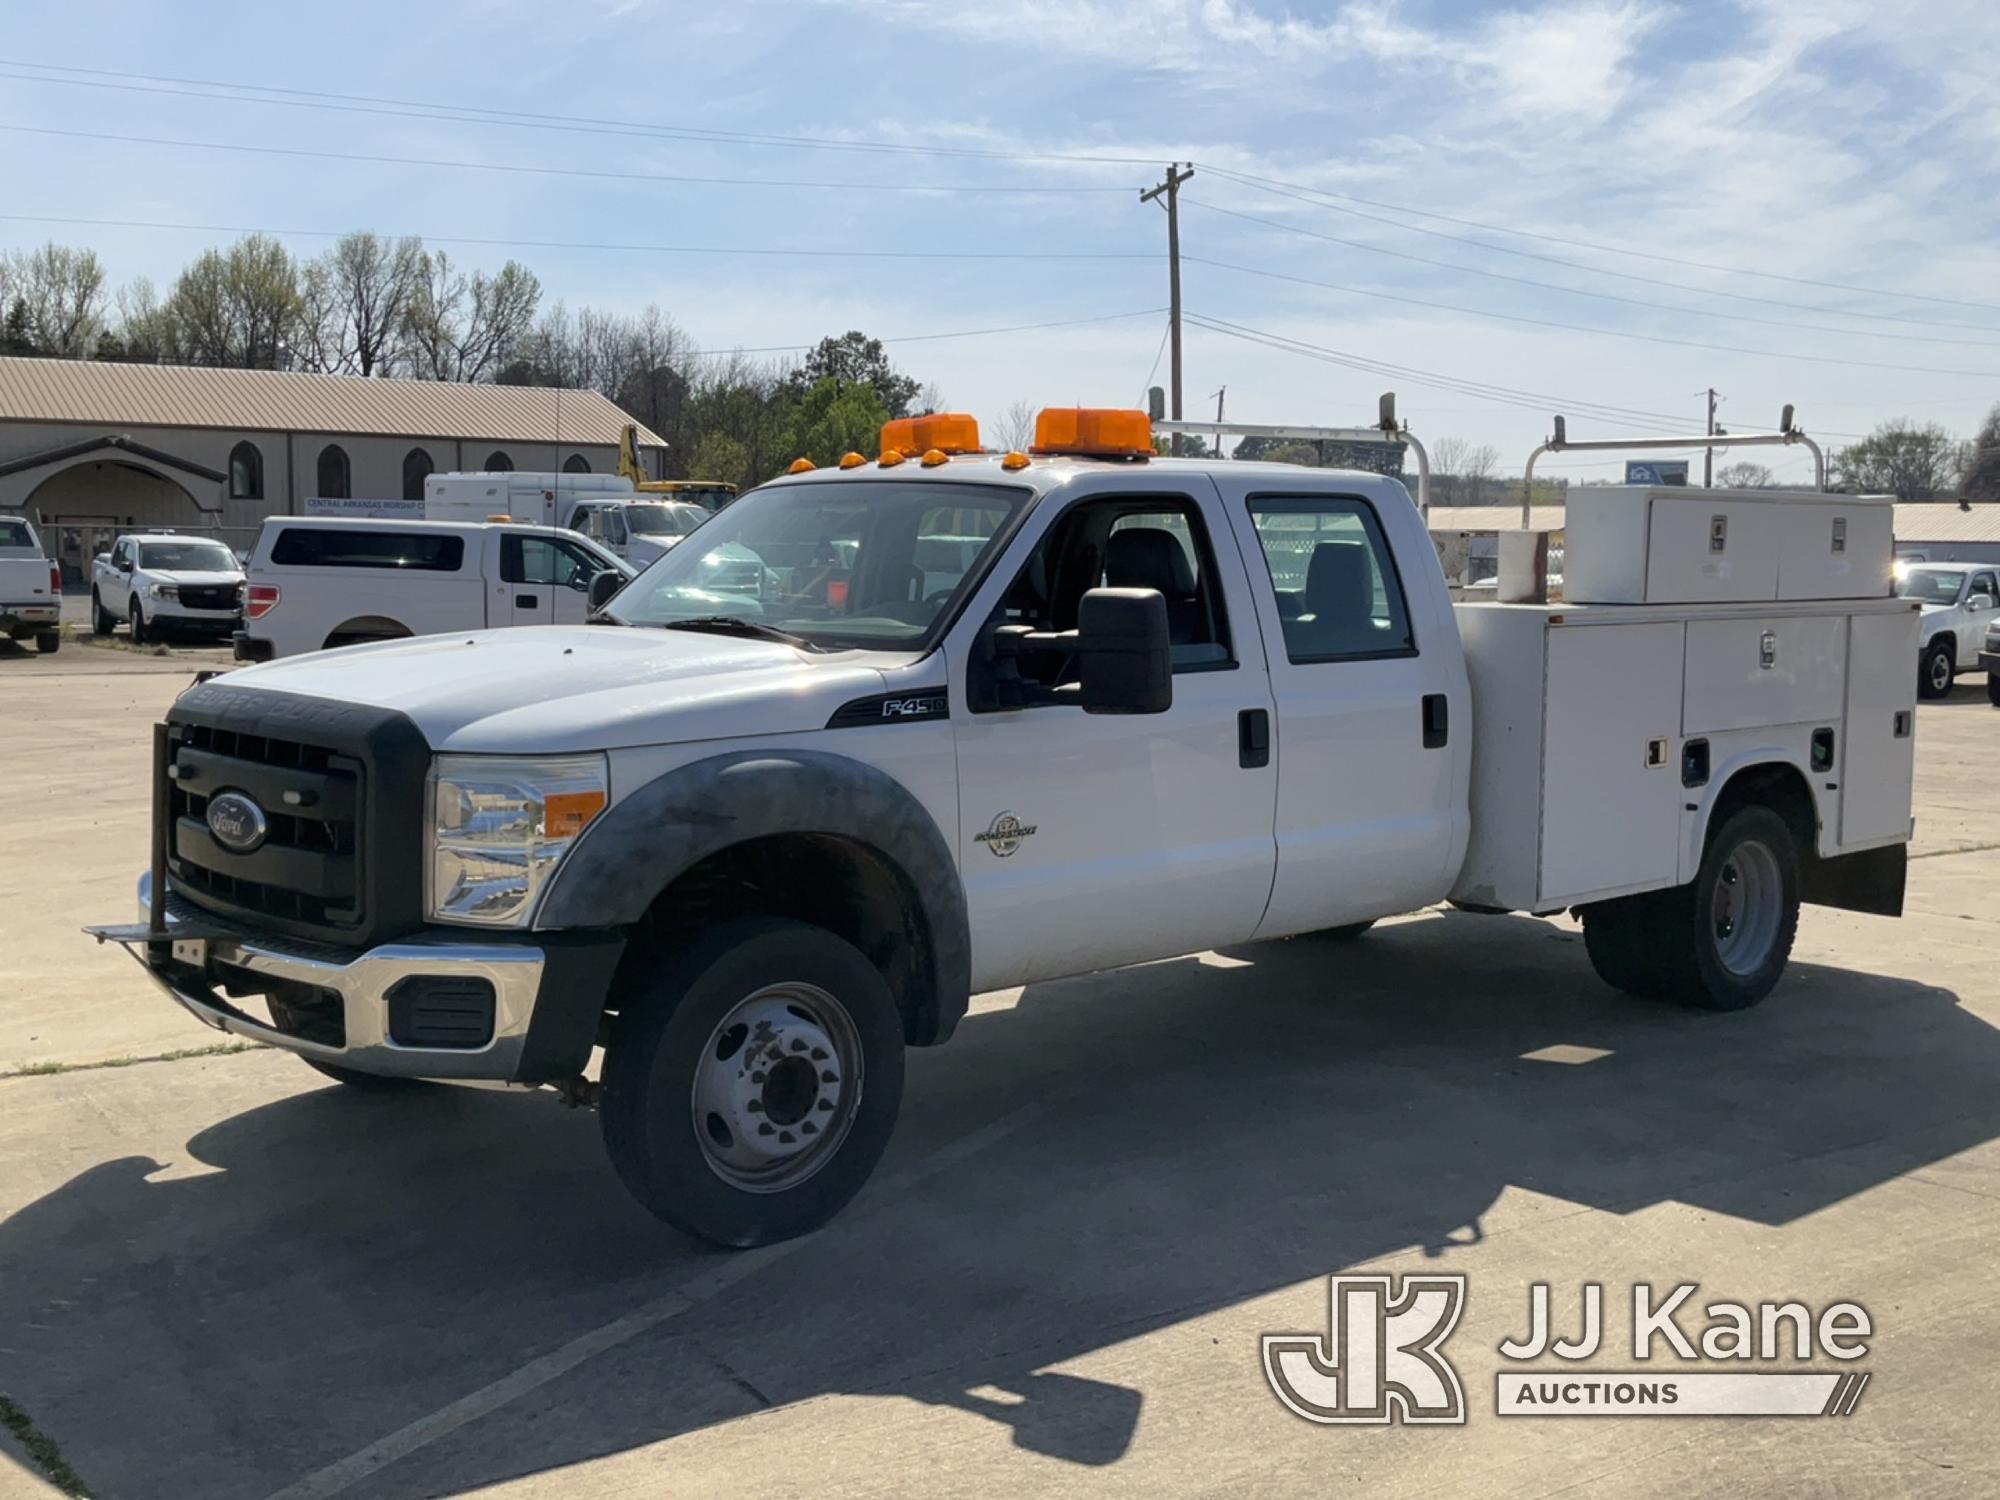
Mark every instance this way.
x=1959 y=602
x=754 y=839
x=154 y=582
x=30 y=587
x=318 y=582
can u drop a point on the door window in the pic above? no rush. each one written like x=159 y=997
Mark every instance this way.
x=1125 y=543
x=1339 y=598
x=1983 y=586
x=548 y=561
x=614 y=527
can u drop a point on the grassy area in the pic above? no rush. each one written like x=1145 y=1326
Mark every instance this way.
x=47 y=1069
x=41 y=1449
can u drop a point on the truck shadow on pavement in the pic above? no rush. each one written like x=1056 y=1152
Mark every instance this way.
x=1182 y=1137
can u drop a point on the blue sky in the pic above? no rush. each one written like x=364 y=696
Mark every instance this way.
x=1839 y=143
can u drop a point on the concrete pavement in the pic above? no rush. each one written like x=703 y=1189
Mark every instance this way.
x=222 y=1277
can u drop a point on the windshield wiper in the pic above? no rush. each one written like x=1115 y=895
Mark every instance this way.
x=737 y=625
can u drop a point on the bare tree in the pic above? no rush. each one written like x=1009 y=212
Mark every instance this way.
x=356 y=301
x=145 y=326
x=1745 y=475
x=1979 y=478
x=1476 y=468
x=60 y=290
x=1447 y=469
x=1903 y=459
x=466 y=327
x=1015 y=431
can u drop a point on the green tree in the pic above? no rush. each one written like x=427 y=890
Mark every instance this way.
x=356 y=301
x=468 y=327
x=717 y=455
x=1900 y=458
x=832 y=419
x=238 y=308
x=855 y=359
x=60 y=290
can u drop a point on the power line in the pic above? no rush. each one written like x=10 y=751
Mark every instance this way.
x=925 y=338
x=238 y=93
x=1615 y=333
x=1289 y=188
x=525 y=244
x=1551 y=286
x=541 y=171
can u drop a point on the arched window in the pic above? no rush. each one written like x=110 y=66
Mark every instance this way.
x=335 y=478
x=246 y=472
x=417 y=467
x=498 y=463
x=576 y=463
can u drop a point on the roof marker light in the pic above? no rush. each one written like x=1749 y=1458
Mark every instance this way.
x=934 y=457
x=851 y=460
x=890 y=458
x=1013 y=461
x=802 y=466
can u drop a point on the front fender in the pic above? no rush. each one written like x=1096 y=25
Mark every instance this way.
x=651 y=837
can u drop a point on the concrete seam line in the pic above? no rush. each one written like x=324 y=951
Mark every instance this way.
x=344 y=1473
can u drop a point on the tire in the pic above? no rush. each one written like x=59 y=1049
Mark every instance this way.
x=102 y=621
x=1718 y=943
x=710 y=1063
x=138 y=624
x=1993 y=688
x=1343 y=934
x=1936 y=669
x=49 y=642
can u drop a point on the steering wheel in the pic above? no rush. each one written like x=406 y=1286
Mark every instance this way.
x=939 y=596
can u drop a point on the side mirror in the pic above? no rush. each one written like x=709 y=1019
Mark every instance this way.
x=1124 y=653
x=124 y=564
x=603 y=588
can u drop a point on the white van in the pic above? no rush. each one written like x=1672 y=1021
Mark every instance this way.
x=539 y=499
x=317 y=582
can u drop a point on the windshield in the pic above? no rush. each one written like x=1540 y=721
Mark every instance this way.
x=1932 y=585
x=860 y=563
x=664 y=520
x=187 y=557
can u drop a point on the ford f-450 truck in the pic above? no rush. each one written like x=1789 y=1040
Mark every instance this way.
x=949 y=721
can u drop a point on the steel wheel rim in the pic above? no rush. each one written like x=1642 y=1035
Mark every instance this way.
x=1940 y=672
x=777 y=1087
x=1746 y=907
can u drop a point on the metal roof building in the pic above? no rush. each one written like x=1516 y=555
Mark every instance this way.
x=88 y=449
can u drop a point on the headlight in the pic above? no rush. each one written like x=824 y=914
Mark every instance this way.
x=499 y=827
x=163 y=591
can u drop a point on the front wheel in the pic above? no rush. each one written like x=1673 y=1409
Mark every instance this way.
x=1993 y=688
x=48 y=642
x=751 y=1086
x=1936 y=669
x=102 y=621
x=1718 y=943
x=138 y=624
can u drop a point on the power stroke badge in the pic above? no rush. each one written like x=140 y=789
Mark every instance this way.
x=1004 y=834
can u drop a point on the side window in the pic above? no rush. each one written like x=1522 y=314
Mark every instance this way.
x=548 y=561
x=1149 y=544
x=614 y=526
x=1983 y=583
x=1339 y=598
x=344 y=547
x=584 y=522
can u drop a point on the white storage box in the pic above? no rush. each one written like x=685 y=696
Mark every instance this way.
x=1637 y=544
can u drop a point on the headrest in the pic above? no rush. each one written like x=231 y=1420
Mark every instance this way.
x=1337 y=581
x=1145 y=557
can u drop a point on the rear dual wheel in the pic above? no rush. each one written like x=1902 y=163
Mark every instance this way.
x=1720 y=942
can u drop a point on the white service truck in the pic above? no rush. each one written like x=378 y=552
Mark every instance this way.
x=30 y=587
x=977 y=720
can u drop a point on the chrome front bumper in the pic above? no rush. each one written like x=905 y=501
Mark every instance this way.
x=184 y=964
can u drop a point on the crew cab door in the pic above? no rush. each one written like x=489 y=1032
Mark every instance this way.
x=1090 y=840
x=114 y=582
x=544 y=579
x=1373 y=706
x=1982 y=599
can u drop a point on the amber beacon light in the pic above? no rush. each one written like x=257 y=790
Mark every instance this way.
x=948 y=432
x=1094 y=432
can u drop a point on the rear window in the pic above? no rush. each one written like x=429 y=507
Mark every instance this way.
x=416 y=551
x=15 y=534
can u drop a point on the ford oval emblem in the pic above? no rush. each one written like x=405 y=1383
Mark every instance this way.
x=238 y=823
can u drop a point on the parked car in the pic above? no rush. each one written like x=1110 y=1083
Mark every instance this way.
x=640 y=531
x=160 y=581
x=30 y=587
x=1959 y=602
x=320 y=582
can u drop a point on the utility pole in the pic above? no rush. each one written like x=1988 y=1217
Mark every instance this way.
x=1169 y=189
x=1218 y=418
x=1708 y=454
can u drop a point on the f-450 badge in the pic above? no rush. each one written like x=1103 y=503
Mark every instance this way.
x=1004 y=834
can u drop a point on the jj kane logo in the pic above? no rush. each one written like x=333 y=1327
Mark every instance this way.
x=1379 y=1360
x=1004 y=834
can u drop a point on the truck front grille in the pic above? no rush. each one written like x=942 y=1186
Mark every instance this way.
x=212 y=596
x=339 y=788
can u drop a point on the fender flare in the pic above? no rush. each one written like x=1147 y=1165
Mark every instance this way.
x=1747 y=759
x=649 y=838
